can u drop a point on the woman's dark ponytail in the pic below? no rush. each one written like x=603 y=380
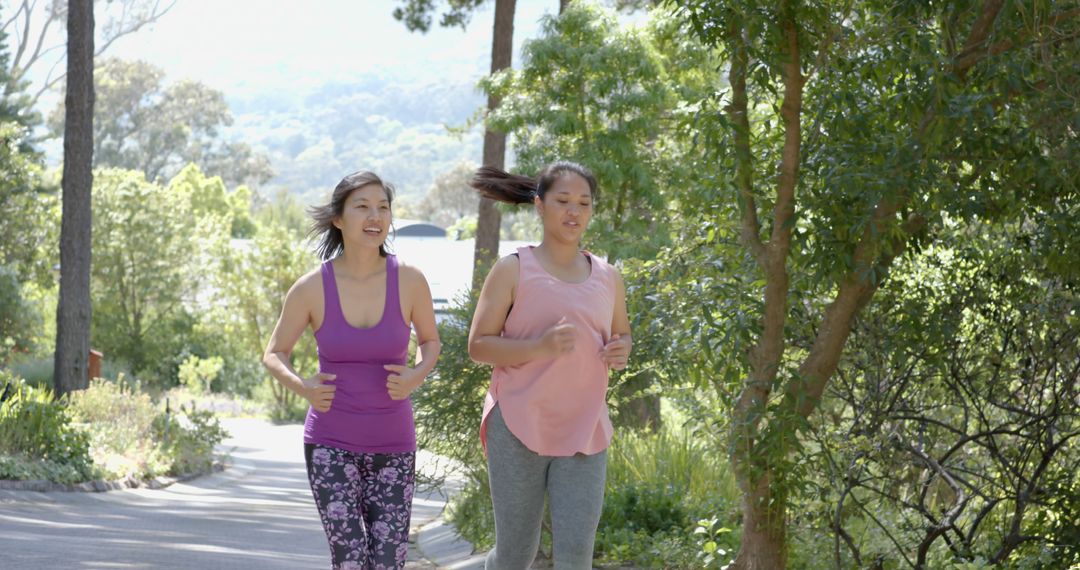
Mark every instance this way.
x=501 y=186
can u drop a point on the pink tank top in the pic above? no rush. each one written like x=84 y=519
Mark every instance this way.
x=557 y=407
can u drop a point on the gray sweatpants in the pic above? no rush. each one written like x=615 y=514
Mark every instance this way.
x=519 y=480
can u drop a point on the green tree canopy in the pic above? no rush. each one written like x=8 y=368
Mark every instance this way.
x=594 y=92
x=142 y=124
x=853 y=135
x=16 y=104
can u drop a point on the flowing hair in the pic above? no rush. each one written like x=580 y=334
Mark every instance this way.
x=501 y=186
x=330 y=242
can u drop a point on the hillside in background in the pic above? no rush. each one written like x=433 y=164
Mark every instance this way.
x=400 y=130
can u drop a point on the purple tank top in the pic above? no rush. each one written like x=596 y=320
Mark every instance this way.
x=362 y=418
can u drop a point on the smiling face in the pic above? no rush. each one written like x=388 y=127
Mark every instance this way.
x=566 y=208
x=365 y=217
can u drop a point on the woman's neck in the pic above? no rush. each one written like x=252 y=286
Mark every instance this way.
x=564 y=254
x=361 y=262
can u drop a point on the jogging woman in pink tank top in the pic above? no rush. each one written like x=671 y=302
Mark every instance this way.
x=551 y=320
x=359 y=437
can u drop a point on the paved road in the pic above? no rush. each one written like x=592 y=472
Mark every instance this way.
x=256 y=514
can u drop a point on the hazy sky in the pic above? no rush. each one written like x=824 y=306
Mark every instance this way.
x=247 y=47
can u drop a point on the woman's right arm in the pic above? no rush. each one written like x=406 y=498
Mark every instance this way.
x=295 y=317
x=486 y=343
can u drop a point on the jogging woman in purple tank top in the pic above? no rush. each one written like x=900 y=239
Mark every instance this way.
x=359 y=437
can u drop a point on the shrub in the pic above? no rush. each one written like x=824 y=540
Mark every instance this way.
x=668 y=497
x=18 y=317
x=187 y=440
x=119 y=420
x=449 y=404
x=37 y=435
x=196 y=374
x=471 y=514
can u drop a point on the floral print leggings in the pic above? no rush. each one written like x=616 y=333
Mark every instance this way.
x=365 y=501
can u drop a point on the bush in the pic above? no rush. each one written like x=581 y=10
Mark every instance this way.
x=38 y=435
x=449 y=404
x=649 y=508
x=18 y=317
x=109 y=430
x=668 y=497
x=35 y=372
x=471 y=514
x=659 y=486
x=119 y=419
x=187 y=440
x=196 y=374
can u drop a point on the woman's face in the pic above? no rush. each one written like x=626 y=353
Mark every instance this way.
x=365 y=218
x=566 y=208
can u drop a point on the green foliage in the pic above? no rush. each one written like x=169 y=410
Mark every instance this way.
x=38 y=372
x=38 y=435
x=187 y=440
x=29 y=216
x=196 y=374
x=647 y=509
x=283 y=210
x=591 y=91
x=156 y=253
x=118 y=419
x=141 y=124
x=109 y=430
x=283 y=406
x=470 y=510
x=449 y=198
x=22 y=467
x=659 y=488
x=148 y=253
x=209 y=198
x=249 y=282
x=960 y=375
x=417 y=14
x=16 y=105
x=717 y=544
x=18 y=318
x=449 y=403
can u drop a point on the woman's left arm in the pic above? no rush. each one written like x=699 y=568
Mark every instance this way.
x=404 y=380
x=616 y=352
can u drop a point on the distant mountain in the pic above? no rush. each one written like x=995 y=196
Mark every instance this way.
x=394 y=128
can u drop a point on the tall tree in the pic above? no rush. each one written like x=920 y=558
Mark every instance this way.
x=73 y=310
x=417 y=17
x=591 y=90
x=153 y=249
x=15 y=102
x=30 y=24
x=24 y=199
x=142 y=124
x=28 y=230
x=486 y=249
x=449 y=198
x=921 y=116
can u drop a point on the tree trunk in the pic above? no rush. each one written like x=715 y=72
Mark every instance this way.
x=764 y=543
x=73 y=309
x=753 y=457
x=636 y=410
x=488 y=219
x=563 y=5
